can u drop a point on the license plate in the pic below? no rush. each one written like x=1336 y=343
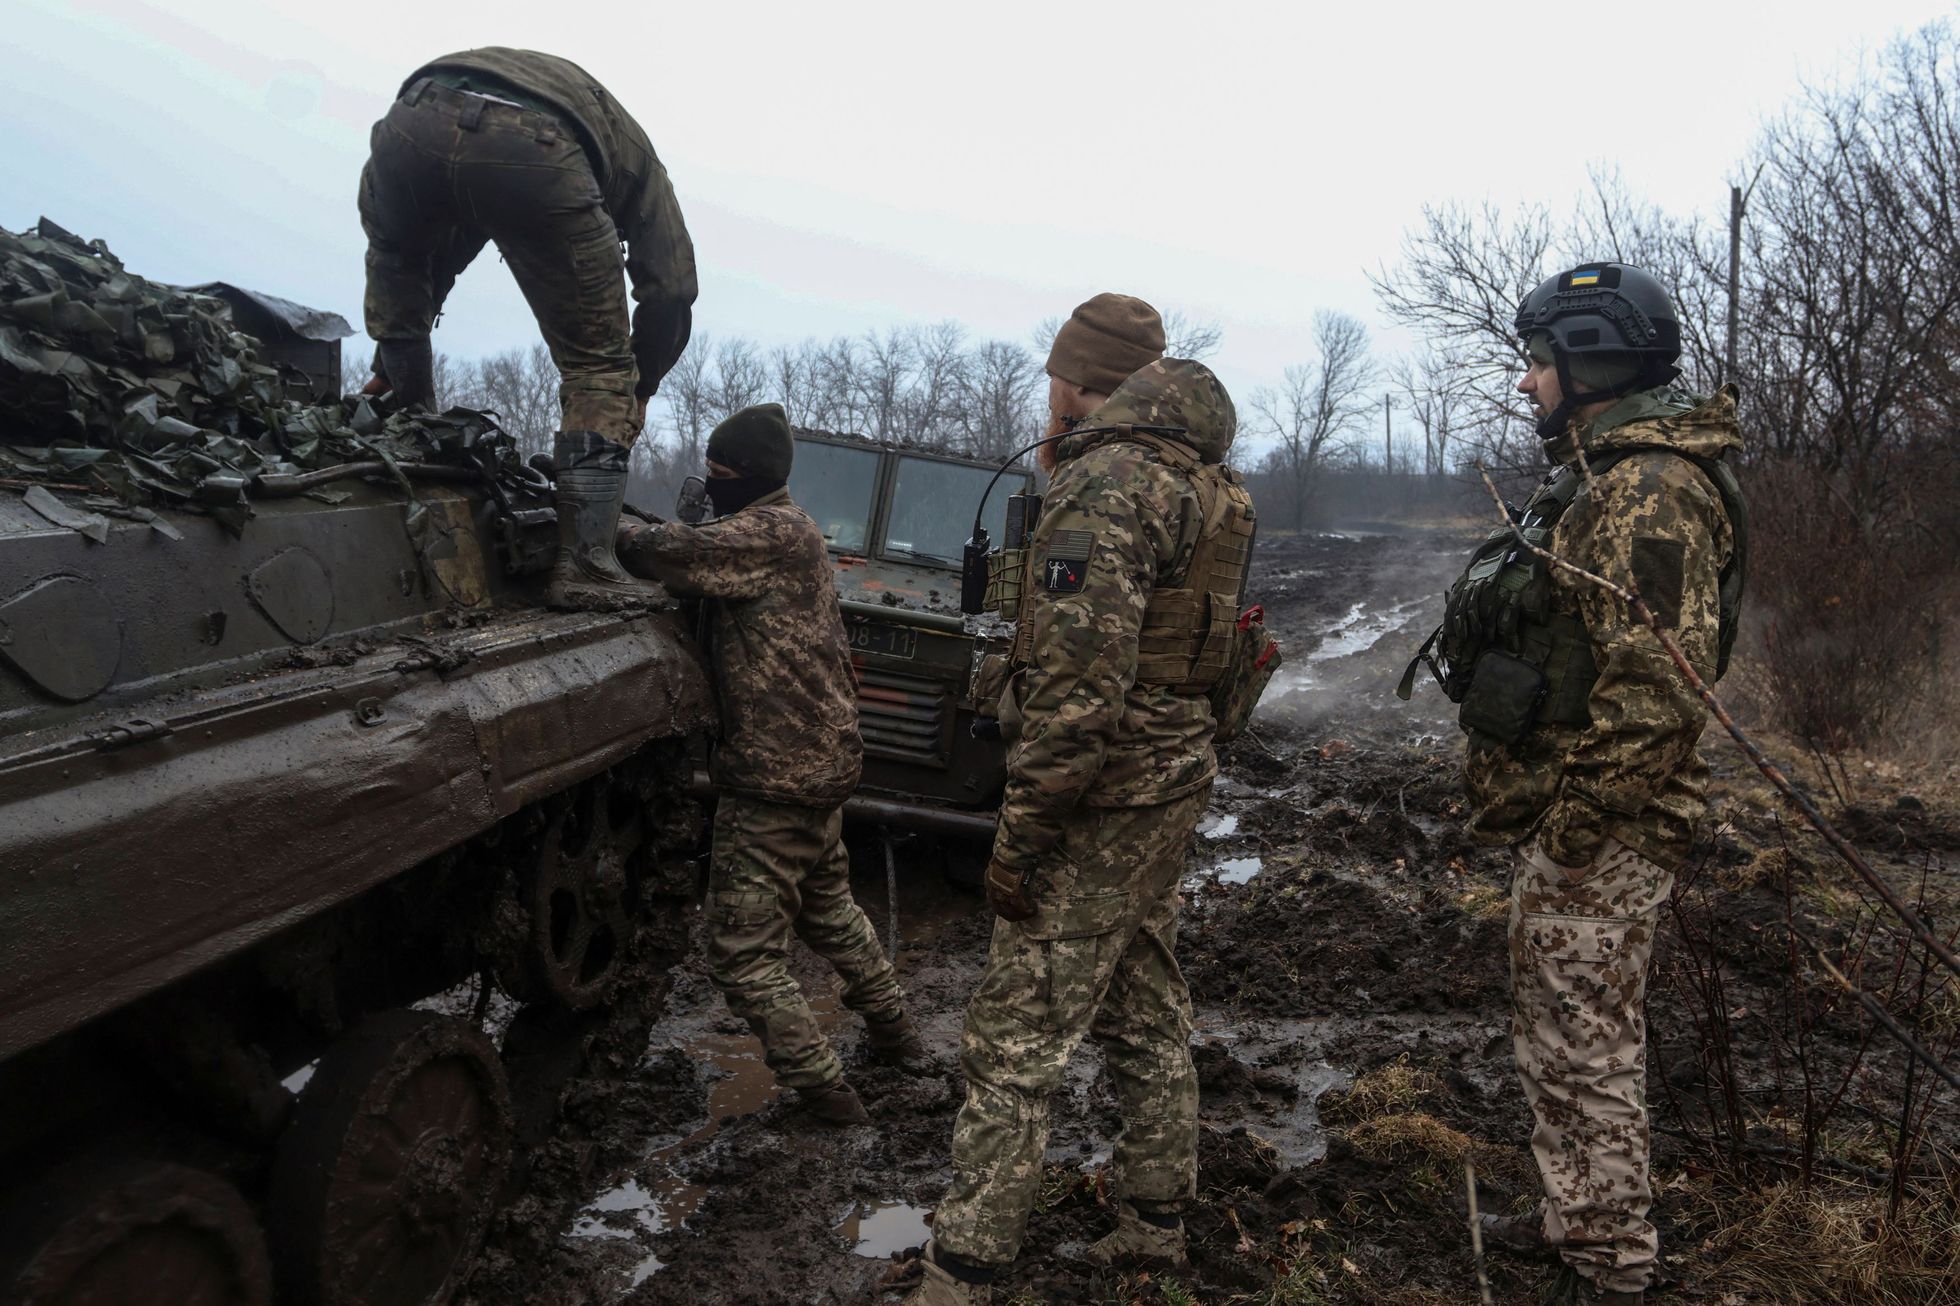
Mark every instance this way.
x=890 y=641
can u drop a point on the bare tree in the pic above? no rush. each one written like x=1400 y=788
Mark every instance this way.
x=1434 y=393
x=1186 y=336
x=688 y=393
x=1002 y=401
x=1317 y=405
x=1462 y=274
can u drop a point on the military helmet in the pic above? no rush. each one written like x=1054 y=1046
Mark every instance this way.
x=1615 y=319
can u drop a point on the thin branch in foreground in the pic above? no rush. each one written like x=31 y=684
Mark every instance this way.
x=1851 y=856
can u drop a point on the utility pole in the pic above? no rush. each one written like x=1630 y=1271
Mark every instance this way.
x=1738 y=205
x=1735 y=278
x=1388 y=433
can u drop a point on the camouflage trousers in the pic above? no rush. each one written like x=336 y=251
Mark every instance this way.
x=777 y=869
x=1097 y=958
x=1580 y=944
x=448 y=171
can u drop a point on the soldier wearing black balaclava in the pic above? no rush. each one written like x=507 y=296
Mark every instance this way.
x=788 y=757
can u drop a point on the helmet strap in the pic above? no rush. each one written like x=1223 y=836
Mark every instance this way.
x=1553 y=424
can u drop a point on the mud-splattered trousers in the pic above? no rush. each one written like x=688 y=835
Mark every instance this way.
x=1581 y=940
x=449 y=170
x=778 y=869
x=1097 y=959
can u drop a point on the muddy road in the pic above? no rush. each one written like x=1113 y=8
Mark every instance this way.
x=1339 y=928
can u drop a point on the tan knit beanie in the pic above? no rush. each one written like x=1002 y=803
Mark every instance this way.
x=1104 y=341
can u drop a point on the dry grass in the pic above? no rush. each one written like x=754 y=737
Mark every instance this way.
x=1772 y=866
x=1418 y=1136
x=1393 y=1088
x=1784 y=1245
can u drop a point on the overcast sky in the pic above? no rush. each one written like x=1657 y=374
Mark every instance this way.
x=849 y=166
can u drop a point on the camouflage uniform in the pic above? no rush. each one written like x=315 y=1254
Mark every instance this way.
x=1609 y=809
x=789 y=755
x=1105 y=786
x=543 y=161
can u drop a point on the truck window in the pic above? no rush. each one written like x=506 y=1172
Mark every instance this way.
x=834 y=485
x=932 y=508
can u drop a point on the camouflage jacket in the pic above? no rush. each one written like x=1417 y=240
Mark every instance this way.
x=1633 y=772
x=639 y=198
x=1088 y=733
x=789 y=725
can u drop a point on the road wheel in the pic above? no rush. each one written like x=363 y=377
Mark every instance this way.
x=134 y=1231
x=578 y=897
x=385 y=1182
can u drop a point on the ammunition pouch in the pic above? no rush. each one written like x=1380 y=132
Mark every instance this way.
x=1506 y=656
x=1503 y=700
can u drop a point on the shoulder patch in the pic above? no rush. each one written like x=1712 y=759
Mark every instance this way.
x=1066 y=566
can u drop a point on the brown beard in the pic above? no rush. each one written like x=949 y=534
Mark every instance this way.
x=1044 y=455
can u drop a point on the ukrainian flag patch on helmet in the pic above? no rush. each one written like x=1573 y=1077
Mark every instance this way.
x=1585 y=277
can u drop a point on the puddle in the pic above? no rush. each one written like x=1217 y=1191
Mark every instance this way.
x=298 y=1080
x=885 y=1228
x=1232 y=870
x=1219 y=827
x=1358 y=630
x=1237 y=870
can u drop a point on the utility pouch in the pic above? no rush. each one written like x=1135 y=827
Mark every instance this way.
x=1006 y=574
x=1505 y=695
x=1254 y=657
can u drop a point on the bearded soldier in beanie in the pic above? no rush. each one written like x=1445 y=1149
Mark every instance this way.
x=1142 y=529
x=1583 y=732
x=528 y=150
x=788 y=757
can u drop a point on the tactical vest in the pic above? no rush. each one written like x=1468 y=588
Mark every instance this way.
x=1192 y=620
x=1506 y=656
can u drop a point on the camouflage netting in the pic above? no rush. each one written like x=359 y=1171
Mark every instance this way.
x=145 y=394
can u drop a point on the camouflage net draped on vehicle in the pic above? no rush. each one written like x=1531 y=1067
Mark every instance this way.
x=144 y=394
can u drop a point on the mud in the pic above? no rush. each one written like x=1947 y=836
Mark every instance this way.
x=1337 y=924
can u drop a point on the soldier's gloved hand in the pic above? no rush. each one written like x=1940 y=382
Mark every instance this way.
x=1010 y=892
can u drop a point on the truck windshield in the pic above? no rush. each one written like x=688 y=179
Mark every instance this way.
x=834 y=485
x=932 y=508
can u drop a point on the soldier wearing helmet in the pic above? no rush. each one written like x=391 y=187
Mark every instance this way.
x=1582 y=734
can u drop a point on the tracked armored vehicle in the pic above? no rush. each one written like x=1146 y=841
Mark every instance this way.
x=293 y=772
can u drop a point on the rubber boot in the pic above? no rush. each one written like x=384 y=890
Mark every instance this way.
x=1575 y=1289
x=940 y=1287
x=1520 y=1235
x=410 y=367
x=835 y=1103
x=897 y=1043
x=1136 y=1243
x=591 y=487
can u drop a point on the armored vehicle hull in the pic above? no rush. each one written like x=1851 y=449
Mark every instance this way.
x=295 y=775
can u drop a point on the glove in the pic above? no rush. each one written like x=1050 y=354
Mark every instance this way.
x=1010 y=892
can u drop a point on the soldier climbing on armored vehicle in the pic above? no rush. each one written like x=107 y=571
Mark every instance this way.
x=528 y=150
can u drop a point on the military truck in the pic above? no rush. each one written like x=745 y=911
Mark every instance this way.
x=293 y=774
x=896 y=518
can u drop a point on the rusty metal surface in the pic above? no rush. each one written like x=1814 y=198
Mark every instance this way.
x=129 y=860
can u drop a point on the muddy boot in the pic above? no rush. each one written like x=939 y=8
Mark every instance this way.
x=1520 y=1235
x=1575 y=1289
x=409 y=366
x=591 y=487
x=835 y=1103
x=1140 y=1242
x=897 y=1043
x=949 y=1283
